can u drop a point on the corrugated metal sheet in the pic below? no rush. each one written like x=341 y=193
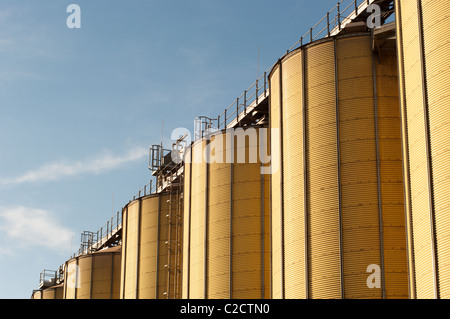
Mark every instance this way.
x=232 y=239
x=267 y=239
x=85 y=270
x=293 y=188
x=391 y=175
x=343 y=240
x=197 y=249
x=276 y=222
x=436 y=27
x=55 y=292
x=94 y=276
x=219 y=222
x=186 y=224
x=359 y=181
x=125 y=252
x=420 y=206
x=37 y=294
x=246 y=240
x=322 y=178
x=130 y=214
x=70 y=279
x=106 y=272
x=148 y=248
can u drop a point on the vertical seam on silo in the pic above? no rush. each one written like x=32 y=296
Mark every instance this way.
x=188 y=262
x=231 y=215
x=125 y=250
x=336 y=84
x=92 y=276
x=112 y=275
x=179 y=240
x=305 y=182
x=405 y=154
x=281 y=182
x=76 y=278
x=138 y=246
x=65 y=279
x=377 y=150
x=270 y=194
x=206 y=234
x=428 y=150
x=262 y=224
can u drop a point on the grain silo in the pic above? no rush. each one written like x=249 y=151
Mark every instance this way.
x=50 y=285
x=93 y=276
x=424 y=55
x=36 y=294
x=55 y=292
x=226 y=219
x=151 y=239
x=337 y=199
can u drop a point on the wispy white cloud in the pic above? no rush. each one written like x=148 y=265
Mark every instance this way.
x=24 y=227
x=61 y=169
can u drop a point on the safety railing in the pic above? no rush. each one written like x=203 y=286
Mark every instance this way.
x=148 y=189
x=92 y=241
x=247 y=98
x=47 y=278
x=332 y=23
x=112 y=225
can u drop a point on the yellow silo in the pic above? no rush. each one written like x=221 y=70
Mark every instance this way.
x=55 y=292
x=93 y=276
x=226 y=221
x=424 y=55
x=338 y=228
x=151 y=240
x=37 y=294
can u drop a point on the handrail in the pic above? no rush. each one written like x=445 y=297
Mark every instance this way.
x=148 y=189
x=335 y=18
x=47 y=276
x=102 y=235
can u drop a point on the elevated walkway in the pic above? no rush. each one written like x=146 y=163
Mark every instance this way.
x=252 y=106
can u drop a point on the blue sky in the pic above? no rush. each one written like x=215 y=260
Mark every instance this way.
x=80 y=107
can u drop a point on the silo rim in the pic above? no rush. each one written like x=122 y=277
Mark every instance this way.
x=314 y=43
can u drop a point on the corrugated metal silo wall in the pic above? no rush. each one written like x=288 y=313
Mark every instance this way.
x=37 y=294
x=336 y=214
x=424 y=55
x=93 y=276
x=149 y=262
x=186 y=221
x=275 y=180
x=197 y=230
x=226 y=223
x=53 y=292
